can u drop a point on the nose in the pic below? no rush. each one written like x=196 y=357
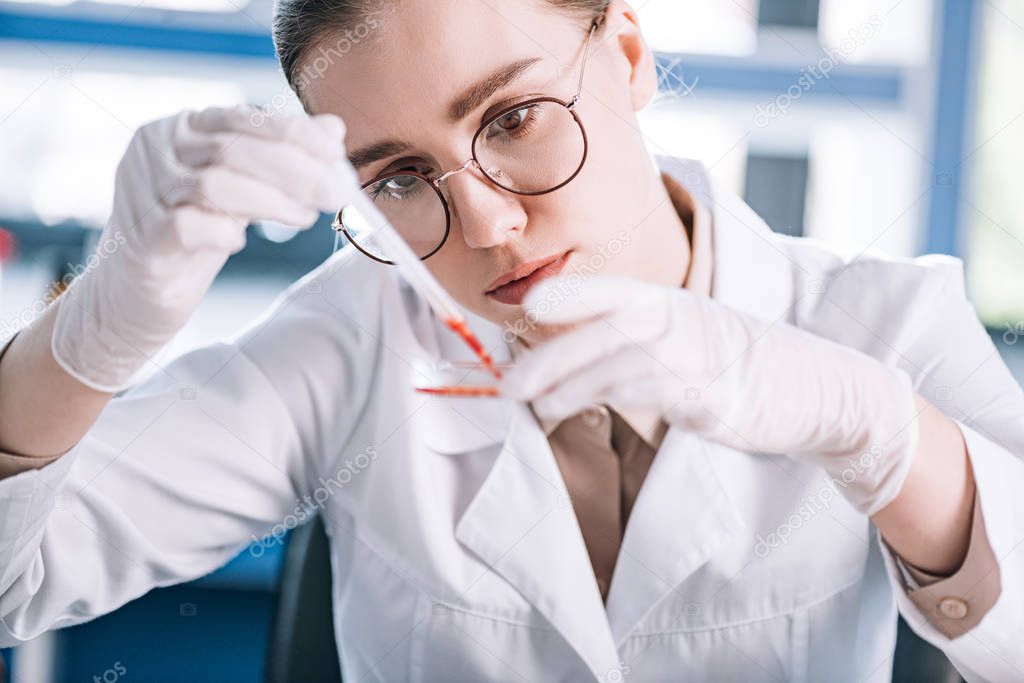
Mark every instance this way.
x=485 y=213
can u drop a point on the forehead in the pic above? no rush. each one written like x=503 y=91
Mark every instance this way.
x=420 y=54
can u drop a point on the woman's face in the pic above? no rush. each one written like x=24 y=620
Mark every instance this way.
x=399 y=84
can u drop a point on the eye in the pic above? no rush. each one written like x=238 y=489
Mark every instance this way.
x=403 y=166
x=400 y=183
x=513 y=124
x=399 y=187
x=511 y=120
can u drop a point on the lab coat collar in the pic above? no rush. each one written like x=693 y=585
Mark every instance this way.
x=681 y=517
x=522 y=525
x=647 y=424
x=753 y=271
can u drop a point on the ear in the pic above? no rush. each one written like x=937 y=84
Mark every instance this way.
x=623 y=26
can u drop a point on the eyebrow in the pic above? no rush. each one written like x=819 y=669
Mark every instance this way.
x=464 y=104
x=377 y=151
x=476 y=94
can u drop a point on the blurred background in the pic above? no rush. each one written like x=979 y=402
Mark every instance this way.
x=893 y=125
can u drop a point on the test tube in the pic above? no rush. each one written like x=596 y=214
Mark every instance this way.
x=378 y=228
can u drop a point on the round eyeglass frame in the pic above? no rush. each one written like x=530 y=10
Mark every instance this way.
x=435 y=183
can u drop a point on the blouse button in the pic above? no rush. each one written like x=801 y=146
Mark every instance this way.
x=593 y=417
x=953 y=608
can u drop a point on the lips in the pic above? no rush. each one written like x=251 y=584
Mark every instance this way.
x=511 y=288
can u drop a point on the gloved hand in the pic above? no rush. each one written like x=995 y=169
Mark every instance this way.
x=752 y=385
x=185 y=191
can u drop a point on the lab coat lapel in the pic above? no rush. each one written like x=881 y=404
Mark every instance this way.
x=522 y=525
x=682 y=515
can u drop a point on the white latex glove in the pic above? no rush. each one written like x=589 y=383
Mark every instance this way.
x=185 y=191
x=752 y=385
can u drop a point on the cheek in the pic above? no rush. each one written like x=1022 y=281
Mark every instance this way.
x=607 y=199
x=453 y=269
x=618 y=154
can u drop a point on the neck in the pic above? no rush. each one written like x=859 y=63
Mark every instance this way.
x=663 y=248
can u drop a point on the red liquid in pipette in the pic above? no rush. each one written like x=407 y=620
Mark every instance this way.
x=460 y=328
x=459 y=391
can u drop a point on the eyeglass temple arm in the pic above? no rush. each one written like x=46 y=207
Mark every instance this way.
x=583 y=67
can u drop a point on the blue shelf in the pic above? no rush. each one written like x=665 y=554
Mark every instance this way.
x=956 y=99
x=885 y=85
x=30 y=26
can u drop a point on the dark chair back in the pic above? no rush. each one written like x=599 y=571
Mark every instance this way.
x=917 y=660
x=302 y=646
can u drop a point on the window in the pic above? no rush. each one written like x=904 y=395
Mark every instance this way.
x=993 y=212
x=900 y=32
x=698 y=26
x=183 y=5
x=64 y=137
x=796 y=13
x=776 y=189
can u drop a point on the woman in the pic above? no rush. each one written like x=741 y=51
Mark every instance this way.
x=751 y=404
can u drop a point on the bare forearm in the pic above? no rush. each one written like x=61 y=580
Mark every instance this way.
x=928 y=524
x=43 y=410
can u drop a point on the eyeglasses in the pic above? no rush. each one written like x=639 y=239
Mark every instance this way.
x=530 y=148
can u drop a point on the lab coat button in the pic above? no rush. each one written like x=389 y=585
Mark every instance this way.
x=953 y=608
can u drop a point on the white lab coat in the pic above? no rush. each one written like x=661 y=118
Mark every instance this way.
x=456 y=555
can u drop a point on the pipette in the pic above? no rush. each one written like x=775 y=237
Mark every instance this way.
x=363 y=213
